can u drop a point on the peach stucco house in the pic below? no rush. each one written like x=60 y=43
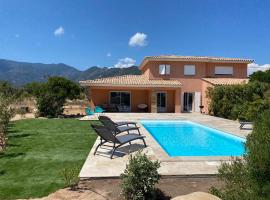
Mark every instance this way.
x=167 y=84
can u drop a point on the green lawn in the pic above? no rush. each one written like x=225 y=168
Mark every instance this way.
x=38 y=150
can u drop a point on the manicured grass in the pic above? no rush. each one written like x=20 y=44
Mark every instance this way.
x=38 y=150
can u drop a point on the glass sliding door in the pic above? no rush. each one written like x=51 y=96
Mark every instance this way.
x=161 y=102
x=188 y=102
x=121 y=100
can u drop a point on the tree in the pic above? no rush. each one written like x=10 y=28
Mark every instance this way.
x=33 y=88
x=53 y=94
x=6 y=89
x=261 y=76
x=6 y=113
x=249 y=178
x=8 y=95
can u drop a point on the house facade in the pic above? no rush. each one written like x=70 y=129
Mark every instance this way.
x=167 y=84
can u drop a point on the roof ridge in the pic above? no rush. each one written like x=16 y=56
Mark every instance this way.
x=200 y=57
x=195 y=59
x=118 y=76
x=131 y=80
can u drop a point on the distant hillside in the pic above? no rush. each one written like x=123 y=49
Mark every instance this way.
x=20 y=73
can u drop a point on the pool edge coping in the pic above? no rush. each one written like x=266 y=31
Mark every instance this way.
x=163 y=156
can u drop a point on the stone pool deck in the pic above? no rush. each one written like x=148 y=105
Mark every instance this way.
x=101 y=166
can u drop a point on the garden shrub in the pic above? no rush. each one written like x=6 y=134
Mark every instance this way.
x=242 y=102
x=236 y=182
x=251 y=111
x=52 y=95
x=258 y=155
x=140 y=177
x=71 y=177
x=249 y=178
x=49 y=105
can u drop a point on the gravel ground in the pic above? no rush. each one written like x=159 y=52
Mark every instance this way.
x=102 y=189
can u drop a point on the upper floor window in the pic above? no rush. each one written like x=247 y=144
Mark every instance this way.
x=164 y=69
x=189 y=70
x=223 y=70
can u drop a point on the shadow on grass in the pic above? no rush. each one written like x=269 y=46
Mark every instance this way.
x=10 y=131
x=10 y=155
x=13 y=145
x=2 y=172
x=20 y=135
x=11 y=124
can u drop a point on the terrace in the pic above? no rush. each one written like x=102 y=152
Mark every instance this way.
x=101 y=165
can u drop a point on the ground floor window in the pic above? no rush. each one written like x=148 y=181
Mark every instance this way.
x=121 y=100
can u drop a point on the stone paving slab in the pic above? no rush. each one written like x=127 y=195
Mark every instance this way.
x=101 y=165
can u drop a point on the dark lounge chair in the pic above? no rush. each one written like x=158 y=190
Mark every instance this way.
x=107 y=136
x=124 y=123
x=118 y=127
x=242 y=124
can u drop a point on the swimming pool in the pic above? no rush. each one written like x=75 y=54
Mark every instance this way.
x=185 y=138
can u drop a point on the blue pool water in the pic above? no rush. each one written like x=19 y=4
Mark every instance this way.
x=185 y=138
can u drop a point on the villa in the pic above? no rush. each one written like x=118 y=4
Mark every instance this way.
x=171 y=84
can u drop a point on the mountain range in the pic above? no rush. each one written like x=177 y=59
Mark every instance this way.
x=20 y=73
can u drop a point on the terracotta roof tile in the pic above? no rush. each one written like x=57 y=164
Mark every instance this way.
x=194 y=59
x=226 y=81
x=200 y=58
x=130 y=80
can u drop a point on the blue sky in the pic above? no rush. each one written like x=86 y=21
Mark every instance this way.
x=86 y=33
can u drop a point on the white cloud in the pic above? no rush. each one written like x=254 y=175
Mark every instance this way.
x=253 y=67
x=139 y=39
x=59 y=31
x=109 y=54
x=125 y=62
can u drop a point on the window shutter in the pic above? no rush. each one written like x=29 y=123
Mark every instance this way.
x=168 y=69
x=224 y=70
x=189 y=70
x=162 y=69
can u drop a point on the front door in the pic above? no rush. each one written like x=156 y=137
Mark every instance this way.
x=161 y=102
x=188 y=102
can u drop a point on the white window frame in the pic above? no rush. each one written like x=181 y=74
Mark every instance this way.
x=164 y=69
x=189 y=70
x=223 y=70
